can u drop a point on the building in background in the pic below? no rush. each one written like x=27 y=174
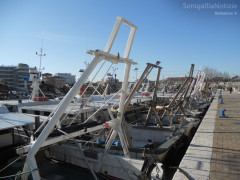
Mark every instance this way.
x=58 y=81
x=175 y=80
x=15 y=76
x=70 y=79
x=47 y=78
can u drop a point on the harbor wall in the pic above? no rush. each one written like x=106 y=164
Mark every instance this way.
x=196 y=162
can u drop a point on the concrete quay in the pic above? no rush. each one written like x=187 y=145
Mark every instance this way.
x=214 y=152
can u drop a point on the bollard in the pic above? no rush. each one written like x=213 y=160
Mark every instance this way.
x=223 y=114
x=221 y=101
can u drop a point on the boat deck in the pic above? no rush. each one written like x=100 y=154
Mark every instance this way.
x=214 y=152
x=71 y=109
x=11 y=120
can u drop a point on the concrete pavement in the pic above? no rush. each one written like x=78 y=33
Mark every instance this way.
x=214 y=152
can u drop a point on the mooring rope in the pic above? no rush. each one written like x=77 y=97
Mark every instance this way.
x=18 y=174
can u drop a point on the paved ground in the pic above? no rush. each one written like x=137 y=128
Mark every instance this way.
x=225 y=163
x=214 y=152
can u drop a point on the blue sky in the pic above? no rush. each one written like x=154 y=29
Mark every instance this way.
x=175 y=32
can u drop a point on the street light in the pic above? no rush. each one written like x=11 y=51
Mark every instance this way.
x=237 y=76
x=114 y=72
x=237 y=82
x=136 y=69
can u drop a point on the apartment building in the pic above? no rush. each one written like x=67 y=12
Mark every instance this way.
x=15 y=76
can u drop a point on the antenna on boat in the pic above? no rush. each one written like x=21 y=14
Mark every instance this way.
x=40 y=55
x=35 y=77
x=86 y=63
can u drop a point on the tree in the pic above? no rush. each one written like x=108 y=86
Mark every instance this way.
x=210 y=73
x=216 y=76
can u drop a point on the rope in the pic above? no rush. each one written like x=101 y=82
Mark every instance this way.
x=12 y=162
x=18 y=174
x=92 y=93
x=82 y=95
x=58 y=126
x=50 y=115
x=101 y=107
x=98 y=85
x=137 y=120
x=81 y=151
x=91 y=140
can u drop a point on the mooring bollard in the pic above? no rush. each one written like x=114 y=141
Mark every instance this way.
x=220 y=94
x=221 y=101
x=223 y=114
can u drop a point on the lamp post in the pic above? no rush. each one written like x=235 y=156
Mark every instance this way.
x=237 y=76
x=238 y=82
x=136 y=69
x=114 y=72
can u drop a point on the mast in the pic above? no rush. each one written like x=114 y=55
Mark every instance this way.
x=99 y=55
x=40 y=55
x=35 y=75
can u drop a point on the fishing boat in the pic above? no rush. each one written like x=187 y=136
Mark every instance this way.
x=118 y=150
x=119 y=166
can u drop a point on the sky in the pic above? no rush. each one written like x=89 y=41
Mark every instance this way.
x=176 y=32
